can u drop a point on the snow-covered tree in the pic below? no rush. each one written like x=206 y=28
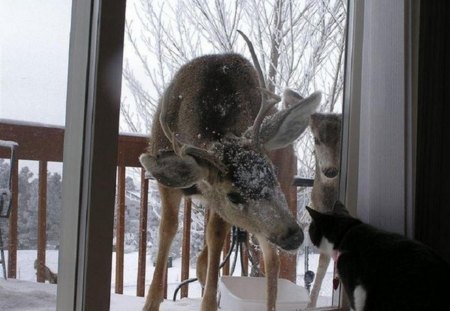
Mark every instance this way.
x=129 y=184
x=4 y=173
x=54 y=206
x=300 y=44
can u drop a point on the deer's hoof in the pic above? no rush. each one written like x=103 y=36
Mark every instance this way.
x=152 y=305
x=209 y=304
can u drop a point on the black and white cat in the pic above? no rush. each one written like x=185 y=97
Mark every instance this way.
x=381 y=271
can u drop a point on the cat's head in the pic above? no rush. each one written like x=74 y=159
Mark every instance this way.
x=327 y=230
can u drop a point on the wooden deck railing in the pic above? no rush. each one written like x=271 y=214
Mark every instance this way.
x=44 y=143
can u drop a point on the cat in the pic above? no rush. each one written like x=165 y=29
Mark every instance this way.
x=379 y=270
x=49 y=275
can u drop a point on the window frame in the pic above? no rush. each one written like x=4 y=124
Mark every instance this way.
x=90 y=147
x=358 y=153
x=90 y=154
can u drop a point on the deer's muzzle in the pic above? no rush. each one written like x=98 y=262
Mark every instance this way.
x=292 y=239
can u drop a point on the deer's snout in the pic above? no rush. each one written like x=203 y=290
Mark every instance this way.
x=330 y=172
x=292 y=239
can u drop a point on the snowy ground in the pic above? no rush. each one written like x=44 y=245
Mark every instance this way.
x=18 y=295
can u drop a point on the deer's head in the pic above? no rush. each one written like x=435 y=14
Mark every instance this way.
x=326 y=130
x=235 y=176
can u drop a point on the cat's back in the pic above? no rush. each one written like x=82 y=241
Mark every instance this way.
x=397 y=273
x=366 y=240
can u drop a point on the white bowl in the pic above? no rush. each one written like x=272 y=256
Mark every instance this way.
x=249 y=294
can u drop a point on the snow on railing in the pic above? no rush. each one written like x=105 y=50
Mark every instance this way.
x=8 y=144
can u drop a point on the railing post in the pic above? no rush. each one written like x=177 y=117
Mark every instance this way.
x=120 y=229
x=286 y=164
x=12 y=237
x=140 y=289
x=42 y=221
x=186 y=247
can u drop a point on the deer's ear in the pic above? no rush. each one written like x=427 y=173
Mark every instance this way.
x=291 y=97
x=285 y=126
x=173 y=171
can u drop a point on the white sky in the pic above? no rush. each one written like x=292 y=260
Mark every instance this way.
x=34 y=46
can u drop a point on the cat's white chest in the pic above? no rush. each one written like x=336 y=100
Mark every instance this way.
x=359 y=296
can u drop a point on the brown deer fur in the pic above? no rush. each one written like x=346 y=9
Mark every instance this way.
x=210 y=140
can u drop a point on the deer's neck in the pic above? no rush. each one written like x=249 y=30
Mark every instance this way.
x=324 y=193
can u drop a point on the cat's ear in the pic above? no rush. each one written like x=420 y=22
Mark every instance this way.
x=340 y=209
x=314 y=214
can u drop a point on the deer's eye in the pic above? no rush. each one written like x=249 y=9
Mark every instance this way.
x=316 y=141
x=235 y=198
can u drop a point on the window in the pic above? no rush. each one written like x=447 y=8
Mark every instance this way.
x=309 y=43
x=33 y=84
x=94 y=107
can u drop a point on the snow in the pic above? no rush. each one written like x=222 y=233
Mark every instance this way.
x=25 y=294
x=18 y=295
x=34 y=59
x=8 y=143
x=30 y=123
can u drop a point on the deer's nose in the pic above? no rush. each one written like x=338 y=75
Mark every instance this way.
x=292 y=239
x=330 y=172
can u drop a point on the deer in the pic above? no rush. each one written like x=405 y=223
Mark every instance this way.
x=326 y=131
x=210 y=138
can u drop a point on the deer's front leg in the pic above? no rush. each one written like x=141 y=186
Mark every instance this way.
x=215 y=235
x=272 y=268
x=324 y=262
x=170 y=201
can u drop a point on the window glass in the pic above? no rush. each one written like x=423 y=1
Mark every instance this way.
x=300 y=45
x=33 y=84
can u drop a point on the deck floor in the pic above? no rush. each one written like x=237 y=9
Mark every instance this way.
x=17 y=295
